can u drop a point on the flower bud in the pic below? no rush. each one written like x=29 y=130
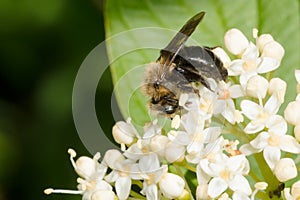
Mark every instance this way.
x=235 y=41
x=285 y=169
x=257 y=86
x=292 y=114
x=85 y=167
x=277 y=86
x=171 y=185
x=123 y=133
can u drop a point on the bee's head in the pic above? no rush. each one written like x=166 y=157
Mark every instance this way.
x=162 y=92
x=163 y=101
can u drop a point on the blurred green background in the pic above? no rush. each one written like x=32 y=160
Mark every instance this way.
x=43 y=44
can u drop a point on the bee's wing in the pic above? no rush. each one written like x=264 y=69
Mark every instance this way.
x=171 y=50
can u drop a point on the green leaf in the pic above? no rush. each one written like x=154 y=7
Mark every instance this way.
x=131 y=43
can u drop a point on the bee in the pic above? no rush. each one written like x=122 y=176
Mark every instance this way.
x=177 y=68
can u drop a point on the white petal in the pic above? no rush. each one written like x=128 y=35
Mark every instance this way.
x=261 y=141
x=289 y=144
x=287 y=194
x=262 y=40
x=149 y=163
x=229 y=112
x=112 y=176
x=176 y=122
x=210 y=169
x=216 y=186
x=248 y=149
x=240 y=183
x=151 y=192
x=202 y=177
x=236 y=91
x=272 y=156
x=253 y=128
x=236 y=163
x=103 y=195
x=235 y=41
x=267 y=64
x=251 y=53
x=123 y=186
x=201 y=192
x=238 y=195
x=250 y=109
x=174 y=152
x=235 y=68
x=285 y=169
x=112 y=157
x=273 y=50
x=276 y=124
x=272 y=105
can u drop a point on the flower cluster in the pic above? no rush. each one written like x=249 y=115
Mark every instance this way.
x=210 y=145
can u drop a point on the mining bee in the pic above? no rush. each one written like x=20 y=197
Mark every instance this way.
x=178 y=69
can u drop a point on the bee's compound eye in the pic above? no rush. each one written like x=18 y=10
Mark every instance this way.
x=169 y=109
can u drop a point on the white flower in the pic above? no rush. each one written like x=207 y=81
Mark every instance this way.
x=285 y=169
x=251 y=63
x=224 y=105
x=228 y=172
x=274 y=140
x=123 y=170
x=199 y=142
x=151 y=172
x=91 y=183
x=259 y=114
